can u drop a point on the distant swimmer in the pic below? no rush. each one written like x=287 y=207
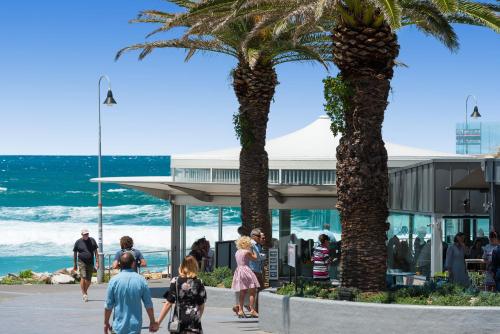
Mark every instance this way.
x=84 y=250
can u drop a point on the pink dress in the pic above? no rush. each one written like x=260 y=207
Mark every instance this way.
x=243 y=277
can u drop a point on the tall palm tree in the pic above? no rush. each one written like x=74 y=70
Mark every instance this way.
x=365 y=48
x=254 y=82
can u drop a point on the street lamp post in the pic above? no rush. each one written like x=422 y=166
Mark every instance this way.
x=475 y=114
x=109 y=101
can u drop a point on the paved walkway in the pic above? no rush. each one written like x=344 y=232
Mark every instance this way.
x=60 y=309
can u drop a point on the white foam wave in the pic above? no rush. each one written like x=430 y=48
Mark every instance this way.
x=74 y=192
x=119 y=190
x=56 y=239
x=83 y=215
x=2 y=189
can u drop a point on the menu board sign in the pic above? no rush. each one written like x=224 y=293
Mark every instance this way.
x=273 y=264
x=292 y=255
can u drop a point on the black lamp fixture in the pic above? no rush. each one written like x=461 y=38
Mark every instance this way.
x=475 y=113
x=110 y=100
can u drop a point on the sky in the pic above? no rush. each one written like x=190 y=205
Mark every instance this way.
x=52 y=54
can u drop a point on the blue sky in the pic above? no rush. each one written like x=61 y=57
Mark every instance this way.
x=53 y=53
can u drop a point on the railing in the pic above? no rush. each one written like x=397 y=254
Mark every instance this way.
x=110 y=259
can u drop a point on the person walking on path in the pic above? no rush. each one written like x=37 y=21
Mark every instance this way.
x=127 y=245
x=188 y=292
x=258 y=239
x=489 y=280
x=123 y=297
x=84 y=251
x=244 y=279
x=455 y=261
x=321 y=259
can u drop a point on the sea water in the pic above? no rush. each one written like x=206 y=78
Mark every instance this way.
x=46 y=200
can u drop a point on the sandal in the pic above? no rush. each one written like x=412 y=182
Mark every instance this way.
x=254 y=314
x=241 y=314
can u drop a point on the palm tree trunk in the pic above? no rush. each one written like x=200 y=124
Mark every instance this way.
x=365 y=57
x=254 y=87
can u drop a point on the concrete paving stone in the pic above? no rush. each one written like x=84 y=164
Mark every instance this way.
x=60 y=309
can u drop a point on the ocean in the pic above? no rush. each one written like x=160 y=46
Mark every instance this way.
x=46 y=200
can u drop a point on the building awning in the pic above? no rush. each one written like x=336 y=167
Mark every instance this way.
x=474 y=181
x=218 y=194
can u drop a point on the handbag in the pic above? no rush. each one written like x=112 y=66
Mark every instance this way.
x=174 y=323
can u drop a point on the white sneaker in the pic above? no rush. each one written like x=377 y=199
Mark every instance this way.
x=85 y=298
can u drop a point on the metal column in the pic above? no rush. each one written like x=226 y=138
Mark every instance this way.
x=177 y=237
x=182 y=225
x=436 y=245
x=285 y=217
x=219 y=225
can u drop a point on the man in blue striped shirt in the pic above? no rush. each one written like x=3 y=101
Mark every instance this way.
x=124 y=295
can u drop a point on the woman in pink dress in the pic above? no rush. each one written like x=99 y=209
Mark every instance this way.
x=244 y=279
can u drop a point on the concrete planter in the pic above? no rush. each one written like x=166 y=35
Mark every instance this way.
x=281 y=314
x=221 y=297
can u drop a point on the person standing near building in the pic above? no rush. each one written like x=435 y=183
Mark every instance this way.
x=125 y=293
x=455 y=261
x=84 y=251
x=321 y=259
x=244 y=279
x=326 y=230
x=127 y=245
x=489 y=280
x=257 y=265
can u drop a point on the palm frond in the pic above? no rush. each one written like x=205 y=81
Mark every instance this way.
x=446 y=6
x=189 y=45
x=479 y=13
x=430 y=20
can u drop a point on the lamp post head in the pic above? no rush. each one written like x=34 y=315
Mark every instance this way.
x=475 y=113
x=110 y=100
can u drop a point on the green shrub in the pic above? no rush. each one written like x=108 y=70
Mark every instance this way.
x=487 y=299
x=333 y=294
x=311 y=290
x=419 y=300
x=380 y=297
x=324 y=293
x=222 y=273
x=26 y=274
x=429 y=294
x=286 y=290
x=222 y=276
x=451 y=300
x=228 y=282
x=9 y=280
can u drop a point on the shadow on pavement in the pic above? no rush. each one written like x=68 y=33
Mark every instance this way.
x=158 y=292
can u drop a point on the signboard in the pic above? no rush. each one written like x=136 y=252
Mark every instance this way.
x=292 y=255
x=273 y=264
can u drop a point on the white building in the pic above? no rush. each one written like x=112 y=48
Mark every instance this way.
x=301 y=176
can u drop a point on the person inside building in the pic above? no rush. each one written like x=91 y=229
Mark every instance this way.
x=455 y=261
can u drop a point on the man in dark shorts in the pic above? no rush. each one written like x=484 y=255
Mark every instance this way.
x=85 y=249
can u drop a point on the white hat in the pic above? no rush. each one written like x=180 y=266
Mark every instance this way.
x=85 y=231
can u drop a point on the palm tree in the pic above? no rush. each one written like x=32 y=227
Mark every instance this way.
x=365 y=48
x=254 y=82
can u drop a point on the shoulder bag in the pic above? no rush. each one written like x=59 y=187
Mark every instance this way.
x=174 y=324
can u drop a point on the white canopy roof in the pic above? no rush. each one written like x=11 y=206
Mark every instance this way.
x=314 y=142
x=214 y=194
